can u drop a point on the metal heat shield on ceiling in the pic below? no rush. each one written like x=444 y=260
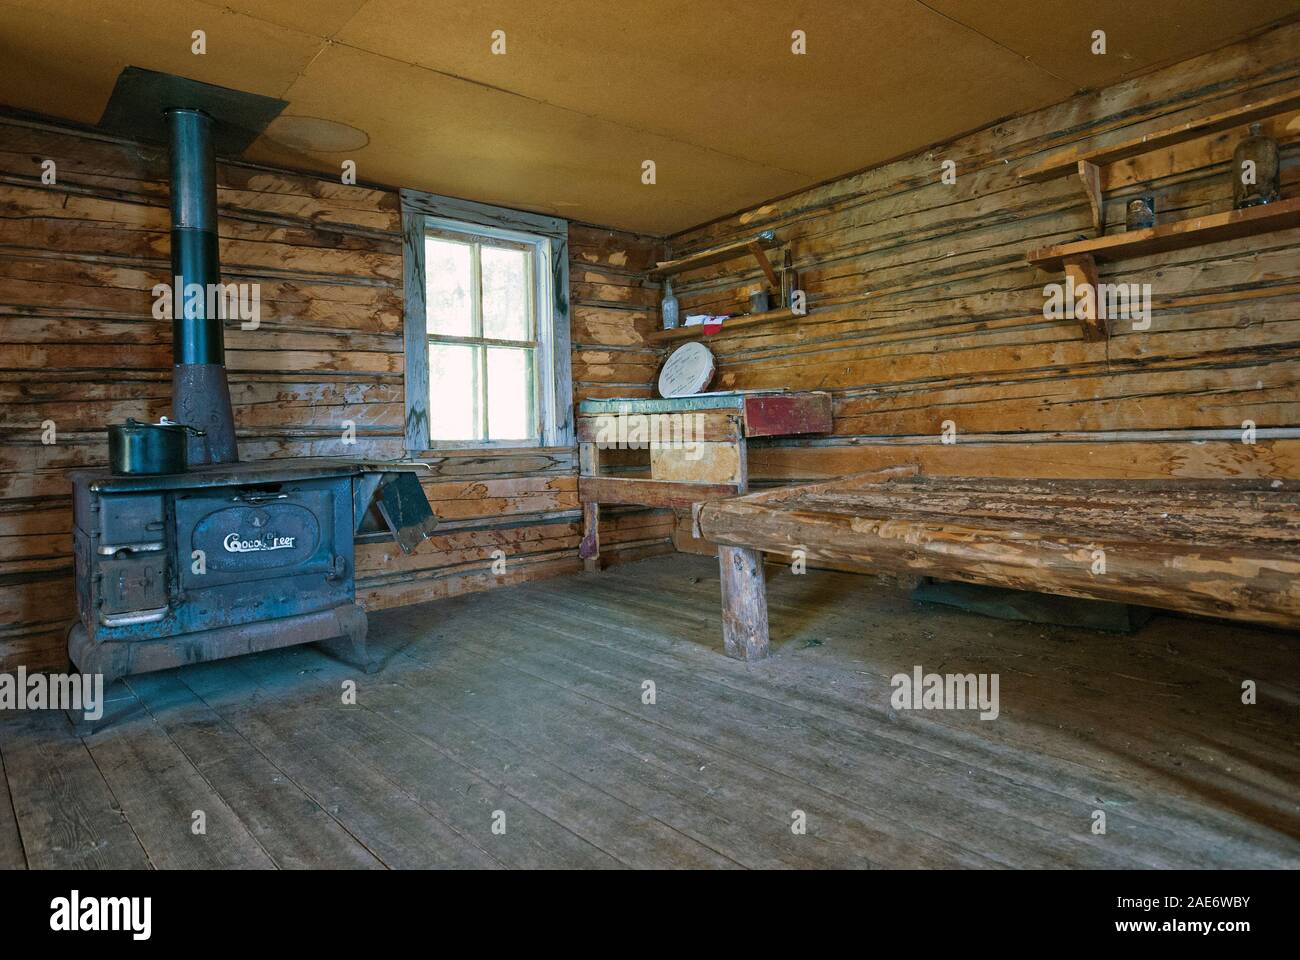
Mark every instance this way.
x=136 y=109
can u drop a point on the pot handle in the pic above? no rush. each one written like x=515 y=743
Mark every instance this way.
x=168 y=422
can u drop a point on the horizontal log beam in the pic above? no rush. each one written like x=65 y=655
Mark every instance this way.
x=650 y=493
x=1066 y=162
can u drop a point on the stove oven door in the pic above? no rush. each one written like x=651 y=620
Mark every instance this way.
x=257 y=553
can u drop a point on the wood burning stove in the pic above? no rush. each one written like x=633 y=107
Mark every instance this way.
x=226 y=559
x=223 y=558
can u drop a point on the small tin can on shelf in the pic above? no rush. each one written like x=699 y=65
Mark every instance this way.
x=1140 y=213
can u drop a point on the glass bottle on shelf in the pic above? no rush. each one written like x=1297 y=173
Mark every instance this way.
x=668 y=308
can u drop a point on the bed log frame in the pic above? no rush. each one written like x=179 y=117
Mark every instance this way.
x=1220 y=548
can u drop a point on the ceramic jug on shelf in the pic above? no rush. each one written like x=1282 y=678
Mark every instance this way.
x=1256 y=170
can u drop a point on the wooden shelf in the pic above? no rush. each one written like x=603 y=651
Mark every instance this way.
x=1229 y=225
x=730 y=326
x=1067 y=162
x=730 y=251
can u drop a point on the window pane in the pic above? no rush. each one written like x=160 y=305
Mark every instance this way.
x=510 y=394
x=505 y=294
x=453 y=392
x=447 y=284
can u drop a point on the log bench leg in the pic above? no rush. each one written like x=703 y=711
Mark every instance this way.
x=744 y=603
x=589 y=548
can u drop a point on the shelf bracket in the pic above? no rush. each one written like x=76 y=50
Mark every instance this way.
x=761 y=256
x=1080 y=270
x=1090 y=176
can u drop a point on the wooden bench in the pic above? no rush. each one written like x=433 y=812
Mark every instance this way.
x=1223 y=548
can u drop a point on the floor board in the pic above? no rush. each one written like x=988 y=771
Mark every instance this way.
x=461 y=795
x=511 y=729
x=760 y=769
x=295 y=733
x=947 y=767
x=68 y=816
x=1150 y=727
x=11 y=844
x=177 y=815
x=292 y=829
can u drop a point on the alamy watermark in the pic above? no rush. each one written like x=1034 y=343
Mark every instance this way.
x=1106 y=301
x=919 y=690
x=75 y=914
x=656 y=431
x=78 y=692
x=227 y=301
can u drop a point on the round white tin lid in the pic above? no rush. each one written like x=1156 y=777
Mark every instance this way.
x=689 y=370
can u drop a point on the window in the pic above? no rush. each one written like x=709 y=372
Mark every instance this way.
x=481 y=316
x=486 y=326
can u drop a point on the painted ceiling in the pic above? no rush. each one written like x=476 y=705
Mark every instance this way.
x=586 y=91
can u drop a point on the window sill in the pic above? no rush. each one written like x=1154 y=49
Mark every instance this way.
x=464 y=450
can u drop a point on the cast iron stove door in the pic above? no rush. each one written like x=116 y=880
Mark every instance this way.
x=252 y=553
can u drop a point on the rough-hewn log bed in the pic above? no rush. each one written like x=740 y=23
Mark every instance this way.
x=1224 y=548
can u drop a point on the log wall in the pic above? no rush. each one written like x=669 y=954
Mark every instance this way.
x=79 y=347
x=923 y=309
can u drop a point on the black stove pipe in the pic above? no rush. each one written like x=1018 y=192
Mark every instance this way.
x=200 y=392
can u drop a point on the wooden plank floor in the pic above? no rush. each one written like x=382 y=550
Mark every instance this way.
x=522 y=710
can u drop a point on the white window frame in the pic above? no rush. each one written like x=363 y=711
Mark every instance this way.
x=549 y=239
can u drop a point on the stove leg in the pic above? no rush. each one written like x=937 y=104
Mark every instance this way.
x=83 y=725
x=350 y=646
x=93 y=661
